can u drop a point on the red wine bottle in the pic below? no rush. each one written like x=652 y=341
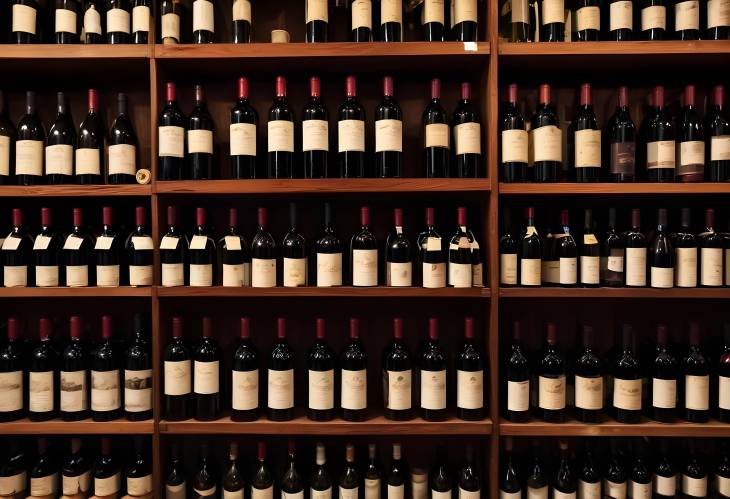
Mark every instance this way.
x=108 y=251
x=280 y=134
x=292 y=483
x=551 y=378
x=29 y=143
x=173 y=252
x=521 y=21
x=178 y=376
x=106 y=396
x=460 y=257
x=470 y=377
x=321 y=369
x=281 y=377
x=7 y=142
x=564 y=483
x=373 y=480
x=262 y=481
x=587 y=20
x=724 y=377
x=722 y=470
x=696 y=380
x=467 y=136
x=47 y=252
x=621 y=20
x=201 y=129
x=138 y=374
x=627 y=380
x=328 y=253
x=397 y=376
x=107 y=472
x=139 y=249
x=76 y=471
x=315 y=130
x=354 y=376
x=433 y=18
x=26 y=16
x=590 y=274
x=12 y=365
x=391 y=21
x=203 y=21
x=436 y=125
x=518 y=379
x=361 y=20
x=694 y=473
x=567 y=253
x=530 y=252
x=206 y=375
x=398 y=258
x=710 y=244
x=465 y=18
x=653 y=19
x=175 y=485
x=615 y=476
x=388 y=132
x=431 y=255
x=589 y=475
x=584 y=139
x=294 y=253
x=263 y=255
x=364 y=253
x=717 y=126
x=588 y=380
x=469 y=476
x=60 y=144
x=432 y=367
x=118 y=21
x=546 y=138
x=17 y=253
x=44 y=472
x=242 y=21
x=92 y=21
x=686 y=20
x=685 y=250
x=622 y=139
x=90 y=150
x=349 y=481
x=245 y=383
x=141 y=24
x=43 y=376
x=690 y=138
x=661 y=254
x=513 y=141
x=204 y=478
x=77 y=253
x=636 y=250
x=122 y=146
x=397 y=475
x=612 y=254
x=244 y=121
x=317 y=21
x=232 y=481
x=658 y=140
x=234 y=258
x=552 y=20
x=351 y=130
x=202 y=253
x=509 y=479
x=74 y=382
x=139 y=470
x=664 y=372
x=439 y=479
x=171 y=136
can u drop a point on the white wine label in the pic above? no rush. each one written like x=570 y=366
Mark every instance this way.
x=588 y=393
x=508 y=495
x=243 y=137
x=281 y=136
x=24 y=19
x=687 y=16
x=29 y=156
x=465 y=10
x=433 y=389
x=627 y=394
x=172 y=139
x=348 y=493
x=617 y=490
x=315 y=134
x=139 y=486
x=541 y=493
x=351 y=133
x=514 y=146
x=691 y=152
x=233 y=275
x=660 y=154
x=15 y=276
x=434 y=275
x=469 y=389
x=590 y=272
x=437 y=495
x=665 y=485
x=41 y=242
x=636 y=266
x=664 y=393
x=508 y=269
x=73 y=243
x=354 y=393
x=263 y=273
x=198 y=242
x=137 y=390
x=520 y=11
x=694 y=487
x=281 y=389
x=718 y=14
x=171 y=29
x=437 y=135
x=724 y=393
x=589 y=490
x=588 y=18
x=686 y=267
x=11 y=243
x=200 y=141
x=621 y=15
x=469 y=494
x=107 y=275
x=639 y=490
x=140 y=275
x=518 y=396
x=77 y=276
x=321 y=389
x=267 y=493
x=587 y=142
x=206 y=377
x=460 y=275
x=719 y=145
x=11 y=391
x=388 y=134
x=169 y=243
x=295 y=272
x=548 y=140
x=711 y=266
x=117 y=21
x=233 y=243
x=398 y=390
x=88 y=162
x=122 y=159
x=562 y=495
x=315 y=10
x=205 y=493
x=553 y=11
x=92 y=21
x=142 y=243
x=396 y=491
x=78 y=484
x=468 y=138
x=41 y=390
x=319 y=494
x=372 y=488
x=329 y=269
x=654 y=17
x=178 y=377
x=44 y=486
x=201 y=275
x=530 y=271
x=551 y=393
x=74 y=391
x=391 y=11
x=568 y=270
x=4 y=155
x=203 y=16
x=365 y=267
x=723 y=486
x=433 y=12
x=105 y=392
x=362 y=14
x=60 y=159
x=46 y=276
x=11 y=485
x=399 y=274
x=662 y=277
x=237 y=494
x=697 y=392
x=107 y=486
x=245 y=390
x=140 y=22
x=242 y=10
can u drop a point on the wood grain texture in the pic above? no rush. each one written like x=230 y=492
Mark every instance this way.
x=311 y=291
x=612 y=428
x=79 y=51
x=607 y=293
x=576 y=189
x=84 y=427
x=75 y=190
x=89 y=292
x=646 y=49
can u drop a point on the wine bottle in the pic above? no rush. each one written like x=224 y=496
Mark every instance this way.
x=25 y=21
x=280 y=134
x=665 y=372
x=724 y=377
x=690 y=134
x=92 y=21
x=281 y=377
x=546 y=136
x=76 y=471
x=244 y=121
x=321 y=376
x=587 y=20
x=433 y=19
x=328 y=250
x=351 y=131
x=170 y=13
x=397 y=376
x=173 y=252
x=263 y=255
x=245 y=377
x=717 y=137
x=530 y=253
x=7 y=142
x=138 y=473
x=398 y=259
x=107 y=252
x=66 y=20
x=204 y=481
x=460 y=258
x=433 y=264
x=518 y=379
x=508 y=251
x=44 y=472
x=262 y=481
x=439 y=481
x=138 y=375
x=464 y=18
x=567 y=253
x=536 y=482
x=122 y=146
x=77 y=253
x=722 y=471
x=291 y=482
x=694 y=474
x=139 y=248
x=590 y=274
x=622 y=135
x=589 y=476
x=242 y=21
x=661 y=254
x=31 y=138
x=612 y=254
x=391 y=21
x=509 y=480
x=372 y=480
x=294 y=253
x=469 y=476
x=47 y=252
x=202 y=252
x=349 y=481
x=203 y=21
x=206 y=375
x=551 y=378
x=687 y=20
x=317 y=21
x=521 y=21
x=361 y=20
x=43 y=376
x=177 y=375
x=320 y=483
x=584 y=136
x=60 y=143
x=564 y=484
x=232 y=481
x=171 y=134
x=74 y=376
x=615 y=476
x=513 y=138
x=552 y=17
x=436 y=125
x=397 y=474
x=710 y=244
x=14 y=471
x=653 y=19
x=118 y=23
x=696 y=380
x=201 y=129
x=364 y=253
x=315 y=130
x=141 y=24
x=17 y=254
x=658 y=137
x=432 y=367
x=354 y=370
x=106 y=395
x=636 y=249
x=627 y=380
x=388 y=129
x=234 y=258
x=588 y=381
x=621 y=20
x=685 y=250
x=90 y=150
x=470 y=377
x=12 y=365
x=466 y=125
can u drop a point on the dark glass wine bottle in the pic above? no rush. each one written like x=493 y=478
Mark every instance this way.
x=665 y=473
x=547 y=138
x=685 y=250
x=513 y=139
x=317 y=21
x=17 y=253
x=615 y=475
x=321 y=376
x=26 y=16
x=589 y=475
x=654 y=19
x=138 y=472
x=280 y=134
x=31 y=137
x=567 y=252
x=108 y=251
x=397 y=476
x=530 y=252
x=694 y=473
x=388 y=131
x=636 y=252
x=76 y=471
x=621 y=137
x=122 y=146
x=627 y=380
x=361 y=20
x=590 y=251
x=118 y=23
x=612 y=254
x=552 y=20
x=294 y=250
x=202 y=253
x=518 y=379
x=242 y=21
x=439 y=479
x=717 y=136
x=244 y=120
x=621 y=20
x=44 y=471
x=171 y=137
x=588 y=381
x=521 y=21
x=433 y=375
x=178 y=376
x=686 y=20
x=710 y=244
x=398 y=257
x=7 y=142
x=349 y=481
x=204 y=478
x=281 y=377
x=364 y=253
x=536 y=481
x=47 y=252
x=203 y=21
x=77 y=254
x=467 y=130
x=170 y=14
x=696 y=386
x=328 y=254
x=138 y=374
x=351 y=132
x=74 y=376
x=315 y=130
x=60 y=144
x=431 y=255
x=469 y=477
x=292 y=483
x=690 y=135
x=564 y=483
x=508 y=252
x=584 y=137
x=92 y=21
x=436 y=135
x=658 y=140
x=661 y=254
x=262 y=481
x=245 y=377
x=232 y=481
x=465 y=18
x=206 y=375
x=234 y=257
x=587 y=20
x=354 y=376
x=470 y=377
x=141 y=15
x=391 y=21
x=173 y=252
x=263 y=255
x=320 y=482
x=510 y=485
x=12 y=365
x=460 y=272
x=551 y=377
x=43 y=376
x=106 y=394
x=201 y=129
x=139 y=251
x=664 y=372
x=397 y=376
x=724 y=377
x=433 y=19
x=90 y=150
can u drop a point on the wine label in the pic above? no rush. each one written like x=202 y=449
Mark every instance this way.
x=354 y=392
x=391 y=11
x=711 y=266
x=719 y=145
x=694 y=487
x=508 y=495
x=46 y=276
x=508 y=269
x=10 y=485
x=321 y=389
x=236 y=494
x=315 y=133
x=617 y=490
x=664 y=393
x=281 y=136
x=140 y=275
x=589 y=490
x=173 y=274
x=245 y=390
x=263 y=273
x=140 y=22
x=460 y=275
x=662 y=277
x=88 y=162
x=315 y=10
x=724 y=393
x=142 y=243
x=15 y=276
x=660 y=154
x=627 y=394
x=29 y=156
x=514 y=145
x=348 y=493
x=469 y=494
x=205 y=493
x=198 y=242
x=105 y=393
x=692 y=152
x=295 y=272
x=553 y=11
x=235 y=275
x=206 y=377
x=200 y=141
x=41 y=242
x=437 y=134
x=433 y=389
x=535 y=493
x=465 y=11
x=588 y=18
x=469 y=389
x=433 y=12
x=687 y=16
x=590 y=270
x=697 y=392
x=665 y=485
x=372 y=488
x=398 y=390
x=399 y=274
x=92 y=21
x=588 y=393
x=78 y=484
x=718 y=14
x=77 y=276
x=107 y=275
x=117 y=21
x=74 y=391
x=365 y=267
x=686 y=267
x=654 y=17
x=171 y=138
x=588 y=142
x=11 y=391
x=242 y=10
x=568 y=270
x=281 y=389
x=636 y=266
x=24 y=17
x=122 y=159
x=623 y=154
x=233 y=243
x=40 y=397
x=316 y=494
x=171 y=29
x=396 y=491
x=562 y=495
x=107 y=486
x=639 y=490
x=203 y=16
x=201 y=275
x=44 y=486
x=434 y=275
x=722 y=486
x=351 y=133
x=178 y=378
x=361 y=14
x=621 y=16
x=329 y=269
x=551 y=393
x=137 y=390
x=243 y=135
x=60 y=159
x=11 y=243
x=4 y=155
x=468 y=138
x=139 y=486
x=530 y=271
x=73 y=242
x=388 y=133
x=548 y=140
x=518 y=395
x=267 y=493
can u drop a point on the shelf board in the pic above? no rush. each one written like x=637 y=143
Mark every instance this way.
x=378 y=425
x=87 y=292
x=75 y=51
x=641 y=188
x=315 y=292
x=75 y=190
x=84 y=427
x=610 y=427
x=608 y=293
x=646 y=49
x=313 y=186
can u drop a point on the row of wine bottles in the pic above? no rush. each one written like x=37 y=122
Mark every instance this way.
x=197 y=260
x=75 y=381
x=192 y=137
x=80 y=259
x=192 y=377
x=349 y=480
x=30 y=156
x=665 y=148
x=635 y=468
x=622 y=383
x=622 y=20
x=659 y=259
x=86 y=469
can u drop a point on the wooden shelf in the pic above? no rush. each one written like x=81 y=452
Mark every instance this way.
x=77 y=51
x=330 y=186
x=88 y=292
x=75 y=190
x=645 y=49
x=642 y=188
x=608 y=293
x=646 y=427
x=302 y=426
x=315 y=292
x=84 y=427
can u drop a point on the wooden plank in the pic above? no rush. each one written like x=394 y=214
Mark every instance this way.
x=609 y=427
x=311 y=291
x=83 y=427
x=604 y=293
x=88 y=292
x=643 y=188
x=647 y=49
x=78 y=51
x=72 y=190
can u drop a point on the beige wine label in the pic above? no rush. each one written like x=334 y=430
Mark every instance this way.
x=437 y=135
x=636 y=266
x=720 y=145
x=398 y=385
x=172 y=140
x=434 y=275
x=168 y=243
x=433 y=11
x=105 y=392
x=396 y=491
x=44 y=486
x=465 y=10
x=664 y=393
x=508 y=495
x=234 y=275
x=621 y=15
x=520 y=11
x=588 y=147
x=15 y=276
x=654 y=17
x=616 y=490
x=351 y=135
x=171 y=29
x=267 y=493
x=41 y=390
x=206 y=377
x=88 y=162
x=534 y=493
x=588 y=18
x=203 y=16
x=530 y=271
x=468 y=138
x=11 y=391
x=77 y=276
x=65 y=21
x=348 y=493
x=568 y=270
x=178 y=377
x=686 y=259
x=724 y=392
x=469 y=389
x=205 y=493
x=514 y=146
x=711 y=266
x=588 y=393
x=315 y=135
x=263 y=273
x=315 y=10
x=563 y=495
x=281 y=136
x=553 y=11
x=329 y=269
x=697 y=392
x=74 y=389
x=117 y=21
x=718 y=14
x=547 y=143
x=372 y=488
x=589 y=490
x=200 y=141
x=460 y=275
x=24 y=17
x=590 y=269
x=388 y=135
x=723 y=486
x=140 y=275
x=140 y=22
x=245 y=390
x=399 y=274
x=433 y=389
x=107 y=486
x=687 y=15
x=639 y=490
x=60 y=159
x=139 y=486
x=46 y=276
x=242 y=10
x=29 y=157
x=137 y=390
x=122 y=159
x=107 y=275
x=661 y=277
x=72 y=485
x=92 y=21
x=243 y=139
x=201 y=275
x=281 y=389
x=354 y=389
x=508 y=269
x=391 y=11
x=551 y=393
x=694 y=487
x=365 y=267
x=321 y=390
x=295 y=272
x=4 y=155
x=627 y=394
x=691 y=152
x=11 y=485
x=362 y=15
